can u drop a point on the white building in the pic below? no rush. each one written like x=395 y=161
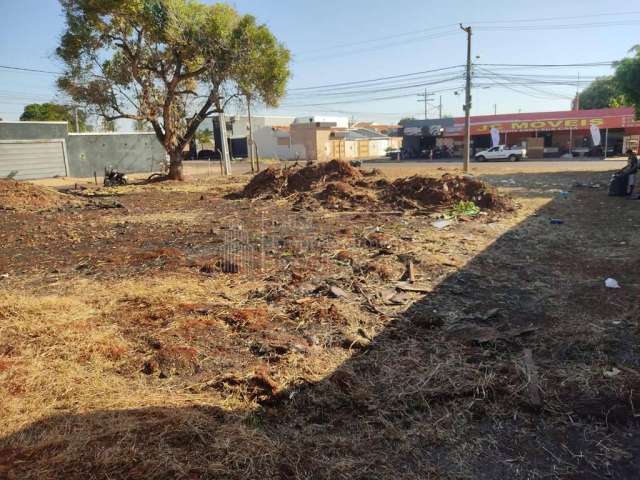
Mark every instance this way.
x=275 y=142
x=340 y=122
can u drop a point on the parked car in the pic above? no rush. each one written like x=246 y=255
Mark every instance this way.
x=502 y=152
x=207 y=155
x=393 y=152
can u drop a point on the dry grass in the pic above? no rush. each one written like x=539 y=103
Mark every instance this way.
x=162 y=371
x=174 y=218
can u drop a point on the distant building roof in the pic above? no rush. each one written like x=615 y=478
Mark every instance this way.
x=358 y=134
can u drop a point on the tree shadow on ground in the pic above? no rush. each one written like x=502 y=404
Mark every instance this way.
x=443 y=392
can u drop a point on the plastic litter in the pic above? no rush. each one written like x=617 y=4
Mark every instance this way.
x=611 y=373
x=611 y=283
x=440 y=224
x=556 y=221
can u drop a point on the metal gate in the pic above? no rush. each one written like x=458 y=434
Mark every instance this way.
x=33 y=159
x=363 y=148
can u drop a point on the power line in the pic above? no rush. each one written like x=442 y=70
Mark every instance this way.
x=375 y=47
x=375 y=99
x=371 y=80
x=363 y=42
x=524 y=84
x=548 y=65
x=30 y=70
x=551 y=19
x=558 y=26
x=403 y=86
x=478 y=24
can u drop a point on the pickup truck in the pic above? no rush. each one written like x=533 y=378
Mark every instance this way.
x=502 y=152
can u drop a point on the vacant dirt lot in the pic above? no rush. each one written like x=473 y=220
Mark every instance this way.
x=168 y=331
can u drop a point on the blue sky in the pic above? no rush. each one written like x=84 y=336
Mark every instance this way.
x=342 y=41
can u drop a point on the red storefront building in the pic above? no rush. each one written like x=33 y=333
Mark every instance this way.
x=551 y=133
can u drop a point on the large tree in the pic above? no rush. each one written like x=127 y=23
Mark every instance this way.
x=628 y=78
x=170 y=63
x=603 y=92
x=54 y=112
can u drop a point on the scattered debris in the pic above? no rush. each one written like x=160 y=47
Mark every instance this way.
x=337 y=292
x=611 y=373
x=414 y=287
x=556 y=221
x=106 y=204
x=533 y=381
x=471 y=333
x=25 y=196
x=440 y=224
x=400 y=298
x=611 y=283
x=483 y=317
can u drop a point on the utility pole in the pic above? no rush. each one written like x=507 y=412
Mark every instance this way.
x=224 y=148
x=425 y=97
x=75 y=114
x=577 y=103
x=467 y=105
x=251 y=156
x=495 y=109
x=440 y=109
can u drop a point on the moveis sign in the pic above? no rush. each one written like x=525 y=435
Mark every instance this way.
x=563 y=124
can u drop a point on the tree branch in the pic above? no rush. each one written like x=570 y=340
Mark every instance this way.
x=196 y=120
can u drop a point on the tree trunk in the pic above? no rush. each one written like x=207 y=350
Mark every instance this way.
x=175 y=166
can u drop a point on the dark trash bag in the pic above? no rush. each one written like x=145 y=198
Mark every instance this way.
x=618 y=184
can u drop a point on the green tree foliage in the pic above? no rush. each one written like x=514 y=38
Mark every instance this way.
x=628 y=78
x=405 y=120
x=53 y=112
x=204 y=136
x=167 y=62
x=603 y=92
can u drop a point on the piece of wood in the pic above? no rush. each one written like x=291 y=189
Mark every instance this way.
x=533 y=380
x=411 y=273
x=414 y=287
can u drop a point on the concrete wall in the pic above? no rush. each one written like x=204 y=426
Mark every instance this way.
x=91 y=152
x=314 y=138
x=128 y=152
x=274 y=144
x=33 y=130
x=378 y=147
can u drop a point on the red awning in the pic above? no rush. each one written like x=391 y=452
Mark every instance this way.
x=547 y=121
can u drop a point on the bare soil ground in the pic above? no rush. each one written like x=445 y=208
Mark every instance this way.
x=168 y=331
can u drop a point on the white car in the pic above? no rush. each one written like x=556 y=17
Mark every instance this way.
x=502 y=152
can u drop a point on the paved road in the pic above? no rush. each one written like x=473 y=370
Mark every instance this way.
x=406 y=167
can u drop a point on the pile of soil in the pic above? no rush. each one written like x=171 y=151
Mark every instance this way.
x=338 y=185
x=25 y=196
x=419 y=191
x=276 y=181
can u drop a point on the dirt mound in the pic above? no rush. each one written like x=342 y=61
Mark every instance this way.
x=25 y=196
x=284 y=182
x=419 y=191
x=340 y=186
